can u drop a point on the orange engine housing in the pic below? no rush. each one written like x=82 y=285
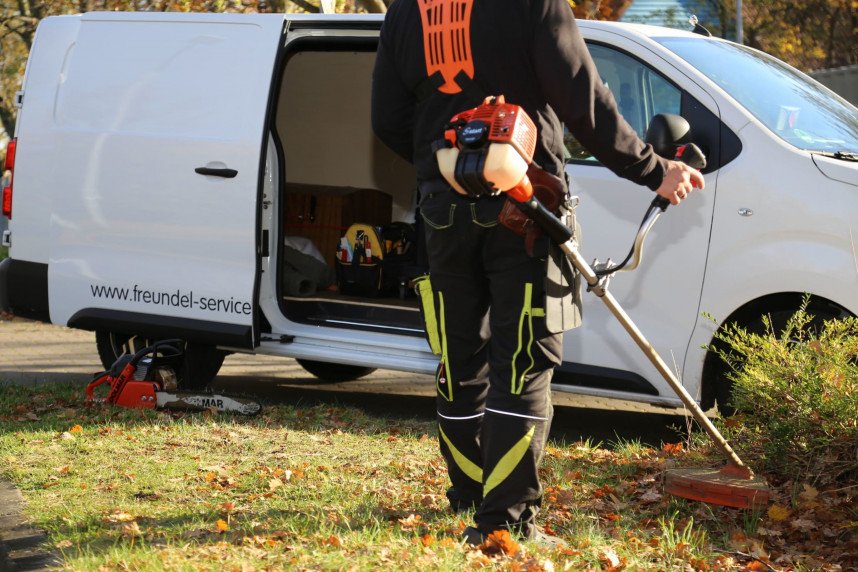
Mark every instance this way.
x=488 y=149
x=508 y=123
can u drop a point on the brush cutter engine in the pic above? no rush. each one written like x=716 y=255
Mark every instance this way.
x=149 y=380
x=487 y=150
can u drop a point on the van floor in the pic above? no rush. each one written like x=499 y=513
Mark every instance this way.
x=337 y=310
x=337 y=298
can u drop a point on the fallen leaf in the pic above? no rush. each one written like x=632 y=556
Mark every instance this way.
x=671 y=448
x=221 y=525
x=651 y=495
x=76 y=429
x=119 y=516
x=500 y=541
x=808 y=495
x=802 y=524
x=64 y=544
x=131 y=529
x=274 y=484
x=778 y=513
x=608 y=557
x=410 y=522
x=427 y=540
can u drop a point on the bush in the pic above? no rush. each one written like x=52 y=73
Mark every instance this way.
x=797 y=397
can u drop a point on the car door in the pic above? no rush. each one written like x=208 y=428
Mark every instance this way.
x=662 y=296
x=159 y=127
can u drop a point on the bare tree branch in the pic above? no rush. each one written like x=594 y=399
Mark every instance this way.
x=303 y=4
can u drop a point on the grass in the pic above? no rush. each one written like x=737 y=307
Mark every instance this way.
x=334 y=488
x=4 y=252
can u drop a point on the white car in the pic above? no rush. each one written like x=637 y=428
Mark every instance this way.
x=162 y=162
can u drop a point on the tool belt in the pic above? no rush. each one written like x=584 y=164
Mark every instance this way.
x=550 y=191
x=562 y=282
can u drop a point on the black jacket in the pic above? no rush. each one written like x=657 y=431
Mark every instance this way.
x=530 y=51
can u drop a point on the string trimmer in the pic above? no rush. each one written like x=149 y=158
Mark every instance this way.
x=488 y=150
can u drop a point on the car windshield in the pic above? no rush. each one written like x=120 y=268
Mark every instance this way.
x=799 y=110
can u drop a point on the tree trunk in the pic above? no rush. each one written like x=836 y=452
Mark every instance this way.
x=7 y=119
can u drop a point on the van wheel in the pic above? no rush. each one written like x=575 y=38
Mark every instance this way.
x=334 y=371
x=201 y=364
x=718 y=371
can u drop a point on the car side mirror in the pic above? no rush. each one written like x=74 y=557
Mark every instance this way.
x=666 y=131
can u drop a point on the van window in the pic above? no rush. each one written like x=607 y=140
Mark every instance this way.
x=639 y=90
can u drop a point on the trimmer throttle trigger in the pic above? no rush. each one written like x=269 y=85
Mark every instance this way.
x=691 y=155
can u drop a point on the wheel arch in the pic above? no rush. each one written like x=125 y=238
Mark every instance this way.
x=713 y=367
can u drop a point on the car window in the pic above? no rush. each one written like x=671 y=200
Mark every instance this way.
x=640 y=93
x=799 y=110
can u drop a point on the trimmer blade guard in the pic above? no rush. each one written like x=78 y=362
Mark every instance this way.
x=717 y=486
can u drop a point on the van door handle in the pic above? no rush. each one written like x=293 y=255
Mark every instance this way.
x=225 y=173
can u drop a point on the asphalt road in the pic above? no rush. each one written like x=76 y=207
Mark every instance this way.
x=33 y=353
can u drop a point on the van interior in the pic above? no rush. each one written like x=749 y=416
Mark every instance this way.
x=334 y=173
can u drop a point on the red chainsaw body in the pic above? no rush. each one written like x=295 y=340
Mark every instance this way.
x=138 y=394
x=125 y=391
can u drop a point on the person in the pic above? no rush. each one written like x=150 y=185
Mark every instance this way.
x=436 y=58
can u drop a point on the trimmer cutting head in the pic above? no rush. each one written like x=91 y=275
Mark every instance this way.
x=728 y=486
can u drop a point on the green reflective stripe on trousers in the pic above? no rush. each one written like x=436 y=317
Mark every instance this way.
x=524 y=320
x=508 y=462
x=447 y=391
x=427 y=302
x=468 y=467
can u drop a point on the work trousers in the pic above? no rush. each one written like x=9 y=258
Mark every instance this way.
x=497 y=359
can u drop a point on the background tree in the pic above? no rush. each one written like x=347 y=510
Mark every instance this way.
x=809 y=35
x=599 y=9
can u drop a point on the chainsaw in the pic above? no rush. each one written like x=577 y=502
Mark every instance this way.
x=148 y=380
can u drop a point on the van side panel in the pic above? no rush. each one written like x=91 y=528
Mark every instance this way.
x=158 y=127
x=36 y=168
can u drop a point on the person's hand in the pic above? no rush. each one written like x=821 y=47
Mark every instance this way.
x=679 y=181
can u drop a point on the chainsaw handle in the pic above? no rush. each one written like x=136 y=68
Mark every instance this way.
x=155 y=347
x=102 y=378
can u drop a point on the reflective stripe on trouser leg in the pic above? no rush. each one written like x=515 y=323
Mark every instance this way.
x=443 y=375
x=523 y=360
x=512 y=449
x=459 y=443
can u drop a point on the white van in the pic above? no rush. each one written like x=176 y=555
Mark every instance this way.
x=163 y=161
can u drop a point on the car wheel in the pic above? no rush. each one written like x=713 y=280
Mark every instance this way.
x=200 y=365
x=335 y=371
x=718 y=370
